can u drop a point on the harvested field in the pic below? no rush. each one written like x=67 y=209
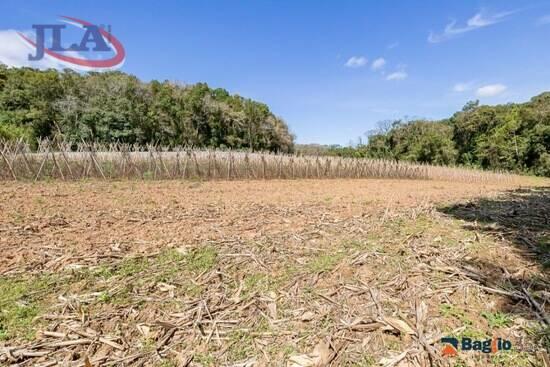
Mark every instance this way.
x=272 y=273
x=70 y=161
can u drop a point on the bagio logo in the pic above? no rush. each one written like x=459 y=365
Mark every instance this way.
x=453 y=345
x=97 y=49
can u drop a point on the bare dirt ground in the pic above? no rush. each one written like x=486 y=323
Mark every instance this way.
x=272 y=273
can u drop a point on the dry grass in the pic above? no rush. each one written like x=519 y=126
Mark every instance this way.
x=77 y=161
x=275 y=273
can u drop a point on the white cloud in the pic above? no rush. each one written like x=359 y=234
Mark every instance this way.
x=356 y=62
x=392 y=45
x=14 y=52
x=398 y=75
x=490 y=90
x=462 y=87
x=545 y=19
x=378 y=63
x=477 y=21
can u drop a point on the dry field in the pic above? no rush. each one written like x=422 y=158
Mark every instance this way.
x=70 y=161
x=295 y=273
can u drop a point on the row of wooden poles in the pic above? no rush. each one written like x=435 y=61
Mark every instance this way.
x=54 y=159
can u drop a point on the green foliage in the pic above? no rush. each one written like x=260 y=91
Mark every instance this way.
x=422 y=141
x=418 y=141
x=206 y=360
x=132 y=266
x=201 y=259
x=19 y=304
x=544 y=336
x=167 y=364
x=512 y=137
x=325 y=262
x=13 y=132
x=497 y=319
x=117 y=107
x=449 y=310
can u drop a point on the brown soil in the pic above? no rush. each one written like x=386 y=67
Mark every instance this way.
x=48 y=226
x=271 y=273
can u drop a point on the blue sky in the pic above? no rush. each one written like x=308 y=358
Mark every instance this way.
x=330 y=69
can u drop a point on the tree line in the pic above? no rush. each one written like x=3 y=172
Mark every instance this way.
x=118 y=107
x=512 y=137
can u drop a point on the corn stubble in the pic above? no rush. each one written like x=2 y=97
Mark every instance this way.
x=66 y=161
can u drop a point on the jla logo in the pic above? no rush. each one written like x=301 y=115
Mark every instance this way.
x=102 y=49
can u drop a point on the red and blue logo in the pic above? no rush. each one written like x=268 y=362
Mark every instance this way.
x=98 y=49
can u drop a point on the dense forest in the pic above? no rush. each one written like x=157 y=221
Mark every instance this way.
x=511 y=137
x=117 y=107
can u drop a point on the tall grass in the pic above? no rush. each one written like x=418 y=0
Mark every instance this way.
x=67 y=161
